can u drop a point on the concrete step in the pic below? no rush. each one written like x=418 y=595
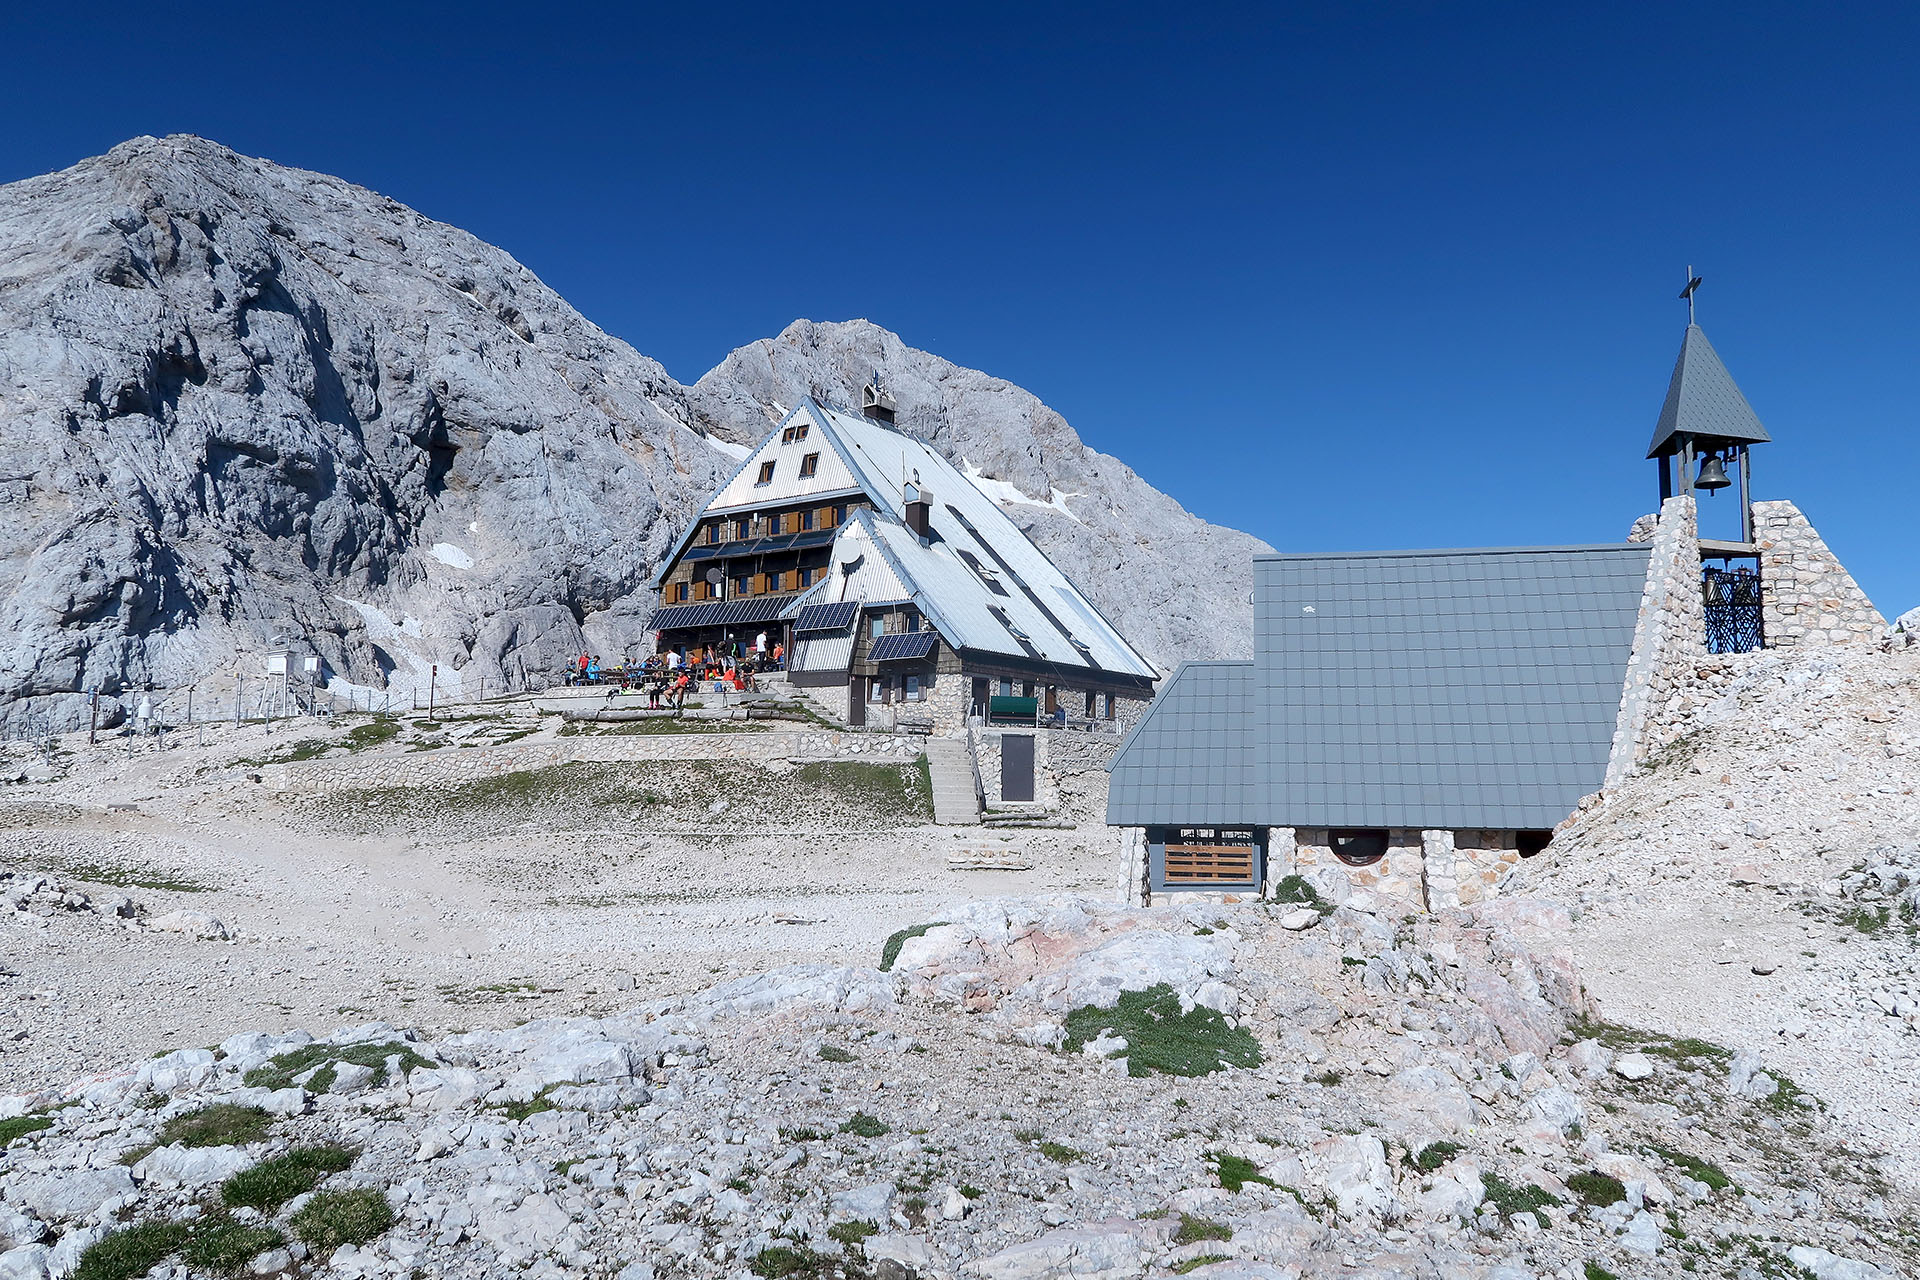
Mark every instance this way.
x=955 y=802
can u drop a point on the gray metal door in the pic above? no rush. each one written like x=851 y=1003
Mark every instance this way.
x=1016 y=766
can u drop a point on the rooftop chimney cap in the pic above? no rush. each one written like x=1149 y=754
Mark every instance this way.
x=876 y=401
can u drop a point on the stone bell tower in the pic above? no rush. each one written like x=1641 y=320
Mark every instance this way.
x=1705 y=429
x=1777 y=585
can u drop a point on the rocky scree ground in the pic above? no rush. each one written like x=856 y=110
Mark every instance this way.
x=449 y=906
x=1754 y=884
x=1431 y=1097
x=240 y=401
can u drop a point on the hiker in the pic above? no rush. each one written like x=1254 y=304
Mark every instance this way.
x=779 y=657
x=680 y=693
x=593 y=669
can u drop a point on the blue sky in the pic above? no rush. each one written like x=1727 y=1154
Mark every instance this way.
x=1344 y=276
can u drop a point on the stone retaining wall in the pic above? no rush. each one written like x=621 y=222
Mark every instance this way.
x=1807 y=597
x=1669 y=638
x=468 y=764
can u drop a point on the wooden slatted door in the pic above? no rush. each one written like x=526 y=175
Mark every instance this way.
x=1209 y=863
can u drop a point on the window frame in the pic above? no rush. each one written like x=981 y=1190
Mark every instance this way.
x=766 y=473
x=809 y=466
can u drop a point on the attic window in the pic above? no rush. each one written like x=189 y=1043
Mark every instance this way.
x=1078 y=643
x=809 y=465
x=766 y=473
x=800 y=432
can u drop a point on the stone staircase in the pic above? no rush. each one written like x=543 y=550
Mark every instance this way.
x=955 y=802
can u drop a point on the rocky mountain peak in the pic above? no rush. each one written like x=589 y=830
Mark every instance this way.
x=245 y=405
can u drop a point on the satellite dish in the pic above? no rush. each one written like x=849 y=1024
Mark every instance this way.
x=714 y=575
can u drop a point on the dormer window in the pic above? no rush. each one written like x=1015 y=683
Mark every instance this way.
x=766 y=473
x=794 y=433
x=986 y=575
x=809 y=465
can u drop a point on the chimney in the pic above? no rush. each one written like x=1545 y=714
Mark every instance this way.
x=876 y=401
x=919 y=512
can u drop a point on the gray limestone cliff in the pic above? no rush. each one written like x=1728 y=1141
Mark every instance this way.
x=244 y=405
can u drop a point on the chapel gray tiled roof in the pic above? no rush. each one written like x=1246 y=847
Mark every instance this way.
x=1703 y=400
x=1427 y=689
x=1190 y=760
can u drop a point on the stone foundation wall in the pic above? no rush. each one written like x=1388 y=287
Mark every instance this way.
x=1670 y=637
x=985 y=744
x=1807 y=597
x=1421 y=870
x=469 y=764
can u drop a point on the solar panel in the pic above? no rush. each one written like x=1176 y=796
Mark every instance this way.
x=827 y=617
x=735 y=613
x=895 y=648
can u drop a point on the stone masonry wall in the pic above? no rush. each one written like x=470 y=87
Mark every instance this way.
x=1421 y=870
x=467 y=764
x=986 y=762
x=1807 y=597
x=1669 y=638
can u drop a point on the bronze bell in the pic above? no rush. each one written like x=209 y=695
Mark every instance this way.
x=1713 y=475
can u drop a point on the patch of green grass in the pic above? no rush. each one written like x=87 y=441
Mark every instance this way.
x=1162 y=1038
x=865 y=1126
x=1060 y=1154
x=1295 y=891
x=1202 y=932
x=1699 y=1170
x=1326 y=1079
x=834 y=1053
x=852 y=1234
x=224 y=1124
x=132 y=878
x=276 y=1180
x=1194 y=1264
x=280 y=1071
x=224 y=1247
x=777 y=1262
x=904 y=791
x=134 y=1155
x=1594 y=1271
x=334 y=1218
x=1193 y=1230
x=971 y=1192
x=1236 y=1172
x=1591 y=1187
x=130 y=1252
x=1509 y=1199
x=801 y=1134
x=518 y=1111
x=21 y=1126
x=376 y=732
x=897 y=939
x=1788 y=1097
x=1433 y=1155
